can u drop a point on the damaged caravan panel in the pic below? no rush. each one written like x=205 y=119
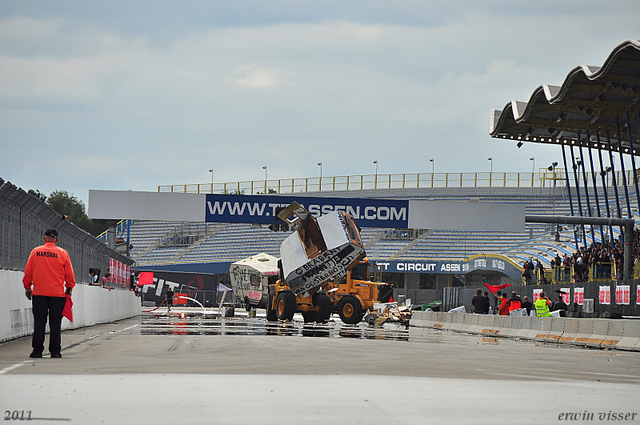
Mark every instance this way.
x=319 y=249
x=251 y=277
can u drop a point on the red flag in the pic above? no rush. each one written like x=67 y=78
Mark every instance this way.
x=495 y=288
x=145 y=278
x=68 y=309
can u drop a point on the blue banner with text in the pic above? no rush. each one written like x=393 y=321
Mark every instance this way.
x=262 y=209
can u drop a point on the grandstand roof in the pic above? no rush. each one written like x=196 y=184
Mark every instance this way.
x=591 y=98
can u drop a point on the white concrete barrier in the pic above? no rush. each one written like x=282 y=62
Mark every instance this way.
x=556 y=330
x=615 y=333
x=91 y=305
x=424 y=319
x=420 y=319
x=476 y=320
x=584 y=331
x=545 y=328
x=432 y=317
x=511 y=325
x=441 y=320
x=630 y=335
x=604 y=333
x=534 y=327
x=491 y=327
x=456 y=321
x=525 y=327
x=505 y=324
x=570 y=332
x=467 y=322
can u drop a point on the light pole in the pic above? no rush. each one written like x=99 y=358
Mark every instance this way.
x=211 y=171
x=264 y=167
x=552 y=168
x=320 y=181
x=375 y=185
x=533 y=172
x=490 y=159
x=433 y=169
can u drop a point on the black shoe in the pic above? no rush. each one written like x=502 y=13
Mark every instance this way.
x=36 y=354
x=56 y=355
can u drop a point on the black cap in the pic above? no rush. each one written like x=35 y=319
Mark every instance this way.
x=52 y=233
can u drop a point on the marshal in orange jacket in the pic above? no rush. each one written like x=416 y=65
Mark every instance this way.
x=47 y=269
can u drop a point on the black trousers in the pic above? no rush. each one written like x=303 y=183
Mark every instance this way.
x=43 y=307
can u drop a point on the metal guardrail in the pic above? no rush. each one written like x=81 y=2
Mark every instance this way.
x=599 y=272
x=363 y=182
x=542 y=178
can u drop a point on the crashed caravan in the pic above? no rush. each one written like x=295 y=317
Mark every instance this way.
x=319 y=249
x=251 y=277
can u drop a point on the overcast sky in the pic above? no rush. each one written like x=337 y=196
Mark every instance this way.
x=135 y=94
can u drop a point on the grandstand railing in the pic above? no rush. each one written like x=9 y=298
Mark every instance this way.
x=368 y=181
x=598 y=272
x=542 y=178
x=121 y=227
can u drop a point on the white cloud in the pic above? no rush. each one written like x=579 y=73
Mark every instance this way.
x=259 y=78
x=286 y=93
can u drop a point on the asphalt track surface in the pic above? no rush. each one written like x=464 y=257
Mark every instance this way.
x=190 y=368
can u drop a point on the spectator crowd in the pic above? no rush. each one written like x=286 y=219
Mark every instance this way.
x=584 y=259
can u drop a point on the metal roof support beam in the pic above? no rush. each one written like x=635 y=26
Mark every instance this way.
x=613 y=176
x=625 y=223
x=633 y=157
x=595 y=185
x=586 y=190
x=603 y=175
x=566 y=175
x=575 y=178
x=624 y=177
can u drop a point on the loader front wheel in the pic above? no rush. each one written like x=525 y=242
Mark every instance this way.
x=350 y=310
x=285 y=306
x=325 y=307
x=271 y=311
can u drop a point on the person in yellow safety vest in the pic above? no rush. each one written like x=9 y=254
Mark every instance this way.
x=542 y=306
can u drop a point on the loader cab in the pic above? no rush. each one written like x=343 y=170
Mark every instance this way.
x=364 y=271
x=375 y=272
x=360 y=272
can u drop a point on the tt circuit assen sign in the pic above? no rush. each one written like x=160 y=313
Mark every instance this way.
x=428 y=266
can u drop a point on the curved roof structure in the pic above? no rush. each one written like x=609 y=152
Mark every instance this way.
x=593 y=100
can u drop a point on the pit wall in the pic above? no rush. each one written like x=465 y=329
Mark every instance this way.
x=621 y=334
x=91 y=305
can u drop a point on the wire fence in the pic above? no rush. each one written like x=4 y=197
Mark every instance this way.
x=23 y=220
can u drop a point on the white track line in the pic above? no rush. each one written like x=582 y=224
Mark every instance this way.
x=17 y=365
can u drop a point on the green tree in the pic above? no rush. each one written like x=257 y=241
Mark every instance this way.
x=74 y=209
x=41 y=196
